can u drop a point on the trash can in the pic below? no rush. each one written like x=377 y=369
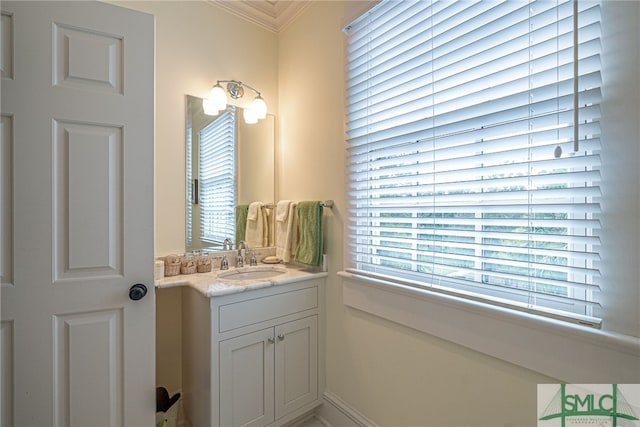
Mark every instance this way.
x=166 y=409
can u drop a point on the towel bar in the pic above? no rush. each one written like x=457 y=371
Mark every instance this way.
x=325 y=204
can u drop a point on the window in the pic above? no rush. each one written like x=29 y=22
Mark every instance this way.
x=217 y=178
x=466 y=174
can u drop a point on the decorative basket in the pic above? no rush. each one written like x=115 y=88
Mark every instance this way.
x=171 y=270
x=204 y=268
x=188 y=265
x=188 y=269
x=203 y=264
x=172 y=265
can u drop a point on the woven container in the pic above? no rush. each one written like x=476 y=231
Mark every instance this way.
x=188 y=264
x=172 y=265
x=188 y=269
x=171 y=269
x=203 y=263
x=204 y=268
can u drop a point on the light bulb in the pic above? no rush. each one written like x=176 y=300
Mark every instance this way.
x=218 y=97
x=249 y=116
x=208 y=108
x=259 y=107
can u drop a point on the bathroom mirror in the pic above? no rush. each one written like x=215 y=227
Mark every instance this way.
x=242 y=165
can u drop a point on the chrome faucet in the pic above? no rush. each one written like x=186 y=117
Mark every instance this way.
x=224 y=264
x=227 y=244
x=240 y=259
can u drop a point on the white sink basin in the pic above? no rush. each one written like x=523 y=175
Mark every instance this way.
x=252 y=273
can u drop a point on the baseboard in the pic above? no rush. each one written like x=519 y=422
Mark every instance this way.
x=335 y=412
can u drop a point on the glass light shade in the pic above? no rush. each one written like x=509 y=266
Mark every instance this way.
x=249 y=116
x=218 y=97
x=208 y=107
x=259 y=108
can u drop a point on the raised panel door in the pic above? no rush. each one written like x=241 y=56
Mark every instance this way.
x=246 y=380
x=296 y=365
x=77 y=214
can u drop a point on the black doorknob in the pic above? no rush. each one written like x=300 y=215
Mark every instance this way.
x=137 y=291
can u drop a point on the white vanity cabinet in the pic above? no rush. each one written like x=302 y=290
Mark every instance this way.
x=253 y=358
x=269 y=373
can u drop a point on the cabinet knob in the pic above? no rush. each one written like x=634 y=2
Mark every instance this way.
x=281 y=337
x=271 y=340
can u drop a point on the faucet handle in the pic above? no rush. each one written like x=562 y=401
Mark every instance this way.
x=224 y=264
x=252 y=260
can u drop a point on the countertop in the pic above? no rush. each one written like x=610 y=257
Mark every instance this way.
x=211 y=285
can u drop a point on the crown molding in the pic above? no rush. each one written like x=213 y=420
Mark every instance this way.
x=272 y=15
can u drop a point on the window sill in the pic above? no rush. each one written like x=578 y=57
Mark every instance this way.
x=567 y=352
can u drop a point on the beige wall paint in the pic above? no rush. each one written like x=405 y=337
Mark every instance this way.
x=394 y=375
x=196 y=44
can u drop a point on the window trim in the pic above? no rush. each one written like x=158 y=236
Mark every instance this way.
x=544 y=345
x=368 y=296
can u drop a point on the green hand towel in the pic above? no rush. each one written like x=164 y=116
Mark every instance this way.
x=310 y=246
x=241 y=222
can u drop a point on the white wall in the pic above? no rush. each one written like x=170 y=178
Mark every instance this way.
x=196 y=44
x=620 y=156
x=392 y=374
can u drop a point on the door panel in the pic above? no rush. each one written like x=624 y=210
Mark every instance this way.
x=246 y=380
x=6 y=46
x=86 y=59
x=296 y=365
x=77 y=94
x=6 y=200
x=87 y=347
x=6 y=373
x=88 y=196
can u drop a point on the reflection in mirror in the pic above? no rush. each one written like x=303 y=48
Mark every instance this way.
x=228 y=163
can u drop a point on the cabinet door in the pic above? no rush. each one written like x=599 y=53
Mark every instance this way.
x=246 y=380
x=296 y=365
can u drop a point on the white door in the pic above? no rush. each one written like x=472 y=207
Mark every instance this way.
x=77 y=127
x=246 y=380
x=296 y=365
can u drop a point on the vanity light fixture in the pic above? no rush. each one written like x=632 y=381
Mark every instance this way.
x=217 y=100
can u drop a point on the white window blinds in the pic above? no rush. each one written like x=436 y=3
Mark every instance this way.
x=456 y=110
x=217 y=178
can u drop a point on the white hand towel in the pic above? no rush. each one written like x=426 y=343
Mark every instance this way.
x=286 y=235
x=255 y=232
x=282 y=210
x=254 y=209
